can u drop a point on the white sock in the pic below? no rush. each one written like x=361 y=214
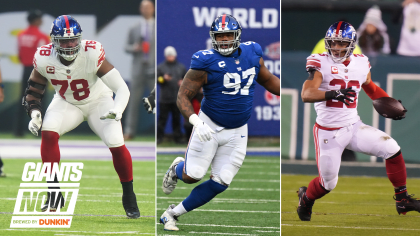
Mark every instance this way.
x=179 y=210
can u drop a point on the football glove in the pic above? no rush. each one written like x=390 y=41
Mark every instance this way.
x=341 y=95
x=112 y=114
x=150 y=104
x=35 y=123
x=202 y=129
x=403 y=116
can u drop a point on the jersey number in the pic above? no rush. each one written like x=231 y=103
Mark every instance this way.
x=45 y=52
x=237 y=81
x=343 y=84
x=74 y=87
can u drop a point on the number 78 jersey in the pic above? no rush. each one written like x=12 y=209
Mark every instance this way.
x=77 y=83
x=229 y=91
x=335 y=76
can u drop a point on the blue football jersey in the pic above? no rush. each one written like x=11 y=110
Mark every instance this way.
x=229 y=91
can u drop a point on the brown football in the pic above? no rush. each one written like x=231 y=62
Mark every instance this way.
x=388 y=107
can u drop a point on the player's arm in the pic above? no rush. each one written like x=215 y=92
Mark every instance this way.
x=268 y=80
x=191 y=84
x=311 y=92
x=112 y=78
x=32 y=100
x=372 y=90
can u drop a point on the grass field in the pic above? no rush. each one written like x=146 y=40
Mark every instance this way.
x=250 y=206
x=357 y=206
x=99 y=209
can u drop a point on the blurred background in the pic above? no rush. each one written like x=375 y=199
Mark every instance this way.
x=388 y=33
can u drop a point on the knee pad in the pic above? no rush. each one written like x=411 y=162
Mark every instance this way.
x=226 y=175
x=390 y=148
x=330 y=184
x=196 y=172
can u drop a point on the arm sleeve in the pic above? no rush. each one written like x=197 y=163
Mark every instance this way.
x=373 y=91
x=115 y=82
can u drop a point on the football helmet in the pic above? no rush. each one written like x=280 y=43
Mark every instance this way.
x=225 y=24
x=344 y=32
x=66 y=36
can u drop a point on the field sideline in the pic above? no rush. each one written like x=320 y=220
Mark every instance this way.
x=250 y=206
x=357 y=206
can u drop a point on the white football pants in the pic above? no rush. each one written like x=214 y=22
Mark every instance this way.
x=225 y=152
x=62 y=117
x=330 y=144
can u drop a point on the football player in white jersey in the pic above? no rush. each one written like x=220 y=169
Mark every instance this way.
x=84 y=82
x=334 y=82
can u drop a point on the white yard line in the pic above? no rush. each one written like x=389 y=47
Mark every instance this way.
x=230 y=211
x=349 y=227
x=89 y=232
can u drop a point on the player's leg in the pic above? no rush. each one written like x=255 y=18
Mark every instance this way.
x=1 y=169
x=110 y=131
x=198 y=158
x=59 y=118
x=176 y=123
x=372 y=141
x=329 y=145
x=162 y=119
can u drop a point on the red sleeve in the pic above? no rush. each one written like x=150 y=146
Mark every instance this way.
x=373 y=91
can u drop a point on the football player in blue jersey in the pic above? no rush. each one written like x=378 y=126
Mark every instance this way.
x=228 y=74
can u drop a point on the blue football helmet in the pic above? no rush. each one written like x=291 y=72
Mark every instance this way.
x=344 y=32
x=226 y=24
x=66 y=36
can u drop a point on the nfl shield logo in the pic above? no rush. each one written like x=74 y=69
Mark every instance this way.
x=68 y=71
x=237 y=61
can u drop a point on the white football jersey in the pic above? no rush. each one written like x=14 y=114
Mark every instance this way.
x=335 y=76
x=77 y=83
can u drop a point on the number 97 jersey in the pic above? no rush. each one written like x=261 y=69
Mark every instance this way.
x=77 y=83
x=229 y=91
x=335 y=76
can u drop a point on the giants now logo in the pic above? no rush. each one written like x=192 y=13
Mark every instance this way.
x=32 y=196
x=334 y=70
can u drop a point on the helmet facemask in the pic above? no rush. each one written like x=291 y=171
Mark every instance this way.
x=68 y=53
x=348 y=50
x=226 y=47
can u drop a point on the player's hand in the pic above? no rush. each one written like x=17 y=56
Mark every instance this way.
x=341 y=95
x=112 y=114
x=35 y=123
x=150 y=104
x=203 y=131
x=403 y=116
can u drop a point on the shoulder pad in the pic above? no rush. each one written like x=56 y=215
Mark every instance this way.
x=313 y=62
x=94 y=51
x=41 y=57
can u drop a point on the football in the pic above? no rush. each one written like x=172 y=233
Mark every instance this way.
x=388 y=107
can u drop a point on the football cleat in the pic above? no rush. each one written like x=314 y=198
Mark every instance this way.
x=170 y=179
x=129 y=202
x=169 y=219
x=407 y=204
x=51 y=202
x=304 y=209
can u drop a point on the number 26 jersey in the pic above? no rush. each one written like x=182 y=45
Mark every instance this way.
x=335 y=76
x=229 y=91
x=77 y=83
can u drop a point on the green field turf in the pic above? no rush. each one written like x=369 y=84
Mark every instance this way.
x=250 y=206
x=99 y=195
x=357 y=206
